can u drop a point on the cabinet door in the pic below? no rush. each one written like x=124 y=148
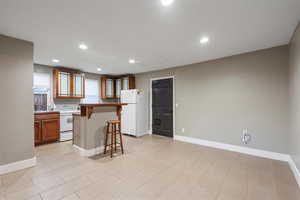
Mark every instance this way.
x=50 y=130
x=64 y=86
x=125 y=83
x=78 y=85
x=37 y=132
x=109 y=88
x=131 y=82
x=118 y=87
x=128 y=83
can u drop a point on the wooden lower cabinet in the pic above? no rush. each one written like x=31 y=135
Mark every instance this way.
x=46 y=128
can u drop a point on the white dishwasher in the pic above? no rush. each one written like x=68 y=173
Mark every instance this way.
x=66 y=125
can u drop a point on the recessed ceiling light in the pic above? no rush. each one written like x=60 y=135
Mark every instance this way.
x=166 y=2
x=55 y=60
x=131 y=61
x=83 y=46
x=204 y=40
x=99 y=69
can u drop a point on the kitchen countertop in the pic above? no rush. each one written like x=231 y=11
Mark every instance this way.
x=57 y=112
x=87 y=109
x=78 y=112
x=46 y=112
x=102 y=104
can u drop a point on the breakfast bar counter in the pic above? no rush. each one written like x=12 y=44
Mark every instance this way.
x=90 y=125
x=87 y=109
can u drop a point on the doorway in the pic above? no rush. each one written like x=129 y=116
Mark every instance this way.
x=162 y=108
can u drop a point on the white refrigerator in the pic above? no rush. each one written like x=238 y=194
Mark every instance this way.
x=134 y=118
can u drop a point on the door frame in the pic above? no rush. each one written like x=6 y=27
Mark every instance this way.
x=174 y=106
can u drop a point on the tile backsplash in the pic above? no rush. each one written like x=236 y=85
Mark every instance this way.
x=66 y=106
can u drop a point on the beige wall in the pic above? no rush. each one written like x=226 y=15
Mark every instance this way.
x=218 y=99
x=295 y=96
x=16 y=119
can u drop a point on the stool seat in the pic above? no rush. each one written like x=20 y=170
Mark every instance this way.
x=113 y=121
x=115 y=126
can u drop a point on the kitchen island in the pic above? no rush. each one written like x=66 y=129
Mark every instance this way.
x=89 y=126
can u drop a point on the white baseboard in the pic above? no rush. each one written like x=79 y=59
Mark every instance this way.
x=11 y=167
x=235 y=148
x=295 y=170
x=88 y=152
x=244 y=150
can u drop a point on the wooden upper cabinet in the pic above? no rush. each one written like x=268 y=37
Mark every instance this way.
x=128 y=83
x=107 y=88
x=118 y=87
x=111 y=86
x=68 y=84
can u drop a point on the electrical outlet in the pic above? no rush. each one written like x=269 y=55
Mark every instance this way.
x=182 y=130
x=246 y=137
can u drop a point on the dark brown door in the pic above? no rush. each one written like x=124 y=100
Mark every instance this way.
x=162 y=107
x=37 y=132
x=50 y=130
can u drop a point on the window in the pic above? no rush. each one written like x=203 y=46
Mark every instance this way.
x=91 y=91
x=41 y=90
x=40 y=102
x=41 y=80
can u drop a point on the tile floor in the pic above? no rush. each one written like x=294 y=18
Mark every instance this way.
x=153 y=168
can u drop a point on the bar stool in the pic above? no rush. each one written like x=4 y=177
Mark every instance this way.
x=115 y=126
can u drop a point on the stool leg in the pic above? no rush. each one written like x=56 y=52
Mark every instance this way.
x=112 y=142
x=121 y=140
x=106 y=137
x=115 y=133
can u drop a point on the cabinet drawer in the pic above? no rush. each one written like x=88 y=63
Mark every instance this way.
x=46 y=116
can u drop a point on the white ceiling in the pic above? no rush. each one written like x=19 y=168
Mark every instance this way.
x=158 y=37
